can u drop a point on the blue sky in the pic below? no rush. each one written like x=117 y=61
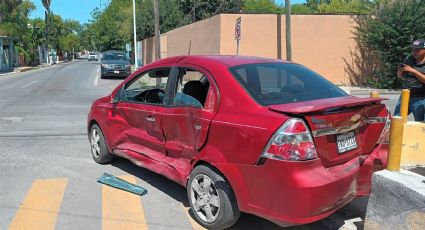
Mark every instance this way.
x=69 y=9
x=80 y=9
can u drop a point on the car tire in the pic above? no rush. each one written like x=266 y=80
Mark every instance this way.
x=219 y=194
x=98 y=146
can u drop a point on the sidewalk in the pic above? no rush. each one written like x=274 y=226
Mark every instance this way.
x=367 y=90
x=29 y=68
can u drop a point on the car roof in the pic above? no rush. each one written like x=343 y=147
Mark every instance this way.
x=229 y=60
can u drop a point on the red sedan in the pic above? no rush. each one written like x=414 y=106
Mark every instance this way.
x=246 y=134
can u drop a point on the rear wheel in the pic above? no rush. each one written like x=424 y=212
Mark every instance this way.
x=99 y=149
x=211 y=199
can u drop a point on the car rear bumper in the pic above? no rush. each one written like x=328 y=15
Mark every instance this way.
x=292 y=193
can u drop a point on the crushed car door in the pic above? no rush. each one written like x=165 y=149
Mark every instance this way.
x=186 y=121
x=136 y=119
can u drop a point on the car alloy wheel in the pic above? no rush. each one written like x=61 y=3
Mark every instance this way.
x=211 y=198
x=95 y=140
x=205 y=198
x=99 y=149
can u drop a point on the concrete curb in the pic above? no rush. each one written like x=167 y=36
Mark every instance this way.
x=397 y=201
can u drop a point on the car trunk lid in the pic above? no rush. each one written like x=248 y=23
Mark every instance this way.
x=342 y=127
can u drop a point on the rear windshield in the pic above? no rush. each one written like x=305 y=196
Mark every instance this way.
x=282 y=83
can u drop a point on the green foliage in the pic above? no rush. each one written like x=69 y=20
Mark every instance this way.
x=110 y=28
x=301 y=9
x=261 y=7
x=14 y=17
x=344 y=6
x=334 y=7
x=388 y=34
x=69 y=42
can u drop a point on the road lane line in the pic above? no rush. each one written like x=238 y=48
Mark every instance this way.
x=26 y=85
x=96 y=79
x=193 y=222
x=121 y=209
x=41 y=206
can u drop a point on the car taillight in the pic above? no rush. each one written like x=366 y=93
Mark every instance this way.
x=385 y=135
x=291 y=142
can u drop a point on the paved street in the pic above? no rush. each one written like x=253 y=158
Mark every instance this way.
x=46 y=160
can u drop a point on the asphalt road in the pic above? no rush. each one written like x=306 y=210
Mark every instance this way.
x=47 y=175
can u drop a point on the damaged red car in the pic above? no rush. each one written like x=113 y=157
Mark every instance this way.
x=244 y=134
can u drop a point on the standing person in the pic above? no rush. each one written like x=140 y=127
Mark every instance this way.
x=412 y=71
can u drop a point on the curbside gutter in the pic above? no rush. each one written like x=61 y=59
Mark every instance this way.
x=397 y=201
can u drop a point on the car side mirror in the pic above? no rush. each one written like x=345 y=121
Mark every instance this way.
x=118 y=95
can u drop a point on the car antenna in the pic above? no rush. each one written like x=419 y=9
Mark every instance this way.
x=190 y=46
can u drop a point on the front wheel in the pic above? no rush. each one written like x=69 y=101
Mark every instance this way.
x=211 y=199
x=99 y=149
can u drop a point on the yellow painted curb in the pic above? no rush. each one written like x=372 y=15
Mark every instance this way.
x=413 y=147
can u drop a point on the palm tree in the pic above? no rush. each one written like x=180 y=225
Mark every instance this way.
x=46 y=4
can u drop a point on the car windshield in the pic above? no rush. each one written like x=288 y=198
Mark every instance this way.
x=114 y=56
x=92 y=53
x=281 y=83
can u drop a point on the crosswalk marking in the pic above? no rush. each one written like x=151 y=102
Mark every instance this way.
x=122 y=210
x=40 y=207
x=193 y=222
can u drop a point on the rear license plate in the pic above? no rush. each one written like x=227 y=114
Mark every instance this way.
x=346 y=142
x=116 y=71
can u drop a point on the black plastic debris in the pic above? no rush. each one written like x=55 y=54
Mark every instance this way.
x=119 y=183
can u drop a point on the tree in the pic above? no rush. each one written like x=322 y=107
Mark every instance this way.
x=335 y=7
x=261 y=7
x=387 y=34
x=15 y=23
x=344 y=6
x=69 y=42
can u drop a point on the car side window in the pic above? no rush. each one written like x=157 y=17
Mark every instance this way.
x=148 y=87
x=192 y=88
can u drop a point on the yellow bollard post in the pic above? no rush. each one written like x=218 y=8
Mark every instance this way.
x=404 y=103
x=374 y=94
x=396 y=138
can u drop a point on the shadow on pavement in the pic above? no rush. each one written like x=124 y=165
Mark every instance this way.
x=178 y=193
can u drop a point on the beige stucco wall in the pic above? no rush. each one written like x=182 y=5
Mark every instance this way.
x=148 y=49
x=258 y=35
x=204 y=37
x=324 y=43
x=321 y=42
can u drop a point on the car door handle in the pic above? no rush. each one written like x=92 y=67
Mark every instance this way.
x=151 y=119
x=197 y=127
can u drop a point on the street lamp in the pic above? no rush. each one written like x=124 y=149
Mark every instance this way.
x=136 y=64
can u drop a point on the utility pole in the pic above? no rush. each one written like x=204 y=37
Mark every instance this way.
x=157 y=38
x=157 y=32
x=136 y=61
x=46 y=4
x=288 y=30
x=194 y=11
